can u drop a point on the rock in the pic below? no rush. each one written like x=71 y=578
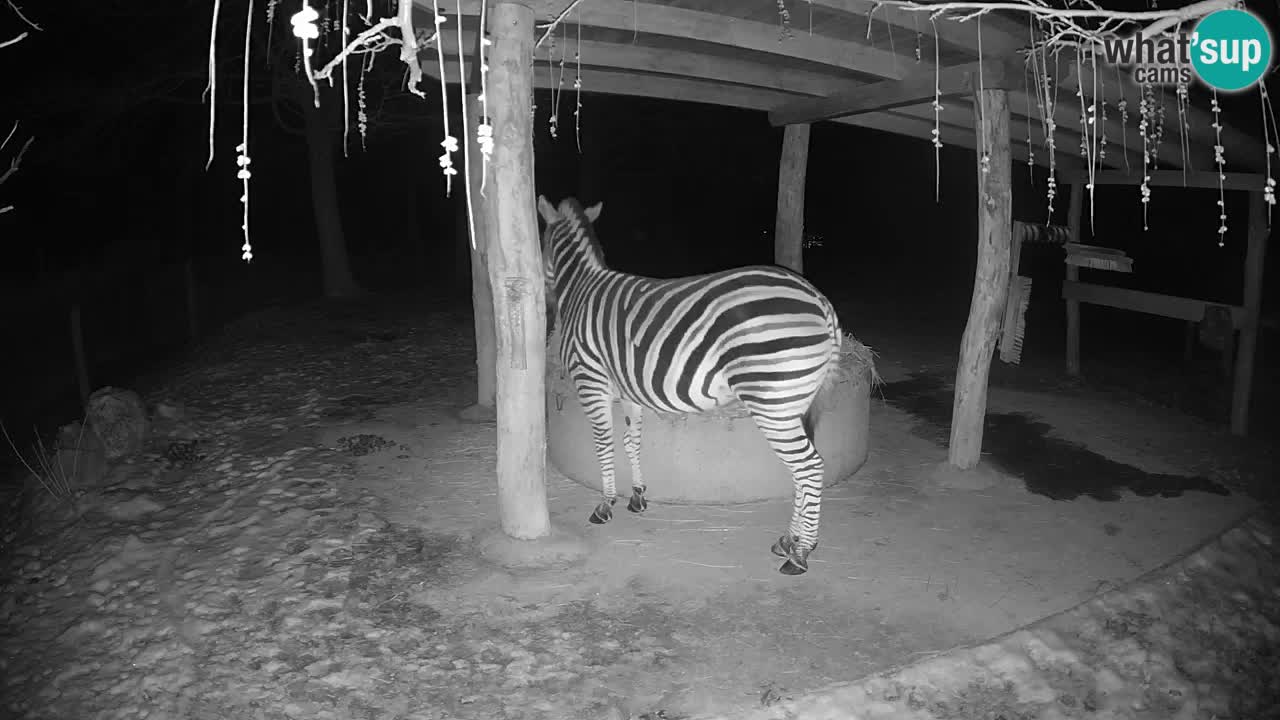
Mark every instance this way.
x=80 y=459
x=119 y=418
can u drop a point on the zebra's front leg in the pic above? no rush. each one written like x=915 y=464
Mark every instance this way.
x=599 y=411
x=631 y=441
x=792 y=446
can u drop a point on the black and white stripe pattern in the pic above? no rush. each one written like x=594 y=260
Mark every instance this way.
x=761 y=335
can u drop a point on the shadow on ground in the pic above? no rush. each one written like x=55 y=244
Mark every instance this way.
x=1019 y=445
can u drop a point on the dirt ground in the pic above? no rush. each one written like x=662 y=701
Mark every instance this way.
x=320 y=558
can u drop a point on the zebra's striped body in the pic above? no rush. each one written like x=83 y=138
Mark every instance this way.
x=761 y=335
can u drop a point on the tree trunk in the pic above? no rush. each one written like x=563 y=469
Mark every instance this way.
x=991 y=278
x=516 y=277
x=788 y=234
x=336 y=266
x=478 y=249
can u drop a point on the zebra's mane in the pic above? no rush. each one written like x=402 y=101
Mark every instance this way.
x=571 y=210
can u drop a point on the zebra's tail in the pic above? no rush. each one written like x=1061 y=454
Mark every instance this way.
x=830 y=372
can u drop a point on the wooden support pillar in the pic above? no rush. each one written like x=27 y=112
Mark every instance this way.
x=788 y=234
x=516 y=278
x=991 y=278
x=481 y=291
x=1074 y=215
x=1246 y=353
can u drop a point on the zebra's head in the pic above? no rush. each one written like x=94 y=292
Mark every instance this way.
x=569 y=242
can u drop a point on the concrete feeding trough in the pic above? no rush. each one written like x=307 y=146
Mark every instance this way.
x=714 y=458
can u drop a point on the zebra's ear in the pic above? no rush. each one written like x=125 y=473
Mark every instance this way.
x=593 y=212
x=546 y=210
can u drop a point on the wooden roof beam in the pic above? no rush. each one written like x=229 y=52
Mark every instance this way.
x=956 y=125
x=920 y=86
x=650 y=18
x=1202 y=179
x=604 y=55
x=1000 y=35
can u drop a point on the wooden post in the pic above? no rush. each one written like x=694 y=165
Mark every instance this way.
x=1245 y=354
x=77 y=348
x=1074 y=212
x=481 y=292
x=516 y=276
x=991 y=278
x=788 y=234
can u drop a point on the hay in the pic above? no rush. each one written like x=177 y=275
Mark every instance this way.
x=856 y=364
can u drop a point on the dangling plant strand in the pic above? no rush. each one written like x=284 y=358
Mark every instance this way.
x=1184 y=142
x=937 y=114
x=484 y=131
x=551 y=80
x=985 y=150
x=1144 y=113
x=450 y=143
x=915 y=22
x=242 y=159
x=577 y=88
x=466 y=146
x=304 y=28
x=1102 y=81
x=558 y=87
x=362 y=116
x=271 y=25
x=1220 y=160
x=1123 y=107
x=1269 y=136
x=1028 y=79
x=1084 y=133
x=346 y=85
x=211 y=88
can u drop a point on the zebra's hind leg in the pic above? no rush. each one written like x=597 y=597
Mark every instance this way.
x=793 y=447
x=598 y=407
x=631 y=441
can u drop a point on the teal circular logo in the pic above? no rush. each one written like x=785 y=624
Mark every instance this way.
x=1231 y=49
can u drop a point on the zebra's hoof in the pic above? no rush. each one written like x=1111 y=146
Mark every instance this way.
x=637 y=504
x=602 y=514
x=790 y=567
x=783 y=547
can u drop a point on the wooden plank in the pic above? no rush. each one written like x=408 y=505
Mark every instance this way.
x=788 y=236
x=991 y=279
x=1206 y=179
x=1170 y=306
x=1074 y=218
x=516 y=278
x=918 y=87
x=1251 y=313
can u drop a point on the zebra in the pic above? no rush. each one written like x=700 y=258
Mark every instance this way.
x=762 y=335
